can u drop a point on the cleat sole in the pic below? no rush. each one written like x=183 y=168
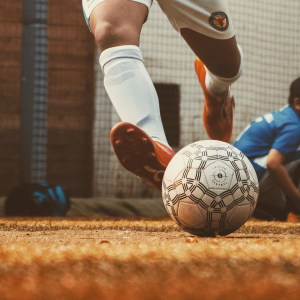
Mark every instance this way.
x=136 y=152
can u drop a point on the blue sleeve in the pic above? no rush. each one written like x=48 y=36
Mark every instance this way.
x=287 y=139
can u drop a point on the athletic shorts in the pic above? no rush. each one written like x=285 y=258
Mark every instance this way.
x=208 y=17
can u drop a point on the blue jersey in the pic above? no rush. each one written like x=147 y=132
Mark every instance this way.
x=279 y=130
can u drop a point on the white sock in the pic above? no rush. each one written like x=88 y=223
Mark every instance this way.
x=131 y=90
x=218 y=85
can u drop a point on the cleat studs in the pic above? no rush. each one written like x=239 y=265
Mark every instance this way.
x=129 y=134
x=130 y=130
x=125 y=160
x=118 y=143
x=150 y=154
x=144 y=141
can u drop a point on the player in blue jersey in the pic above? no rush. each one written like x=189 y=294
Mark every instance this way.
x=206 y=25
x=272 y=144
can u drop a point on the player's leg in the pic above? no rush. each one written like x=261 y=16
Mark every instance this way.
x=293 y=169
x=221 y=57
x=273 y=203
x=207 y=28
x=139 y=141
x=117 y=22
x=218 y=65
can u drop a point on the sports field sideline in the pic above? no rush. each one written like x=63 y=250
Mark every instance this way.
x=145 y=258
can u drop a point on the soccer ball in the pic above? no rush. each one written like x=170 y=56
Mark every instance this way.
x=210 y=188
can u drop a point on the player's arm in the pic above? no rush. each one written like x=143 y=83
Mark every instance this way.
x=275 y=166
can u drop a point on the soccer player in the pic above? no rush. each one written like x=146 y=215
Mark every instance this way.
x=272 y=143
x=139 y=141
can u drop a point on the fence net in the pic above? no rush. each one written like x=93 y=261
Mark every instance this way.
x=268 y=33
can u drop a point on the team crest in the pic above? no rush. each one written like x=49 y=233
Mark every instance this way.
x=219 y=21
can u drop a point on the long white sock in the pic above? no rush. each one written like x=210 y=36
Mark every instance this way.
x=131 y=90
x=218 y=85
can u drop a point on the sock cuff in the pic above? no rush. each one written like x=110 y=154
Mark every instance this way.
x=128 y=51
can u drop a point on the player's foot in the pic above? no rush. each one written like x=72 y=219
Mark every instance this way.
x=139 y=154
x=217 y=110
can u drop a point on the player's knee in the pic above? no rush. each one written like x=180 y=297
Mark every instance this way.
x=105 y=35
x=225 y=68
x=230 y=67
x=230 y=70
x=108 y=35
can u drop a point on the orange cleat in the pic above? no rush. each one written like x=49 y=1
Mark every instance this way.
x=139 y=154
x=217 y=111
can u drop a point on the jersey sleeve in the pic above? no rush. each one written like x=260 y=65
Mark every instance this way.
x=287 y=140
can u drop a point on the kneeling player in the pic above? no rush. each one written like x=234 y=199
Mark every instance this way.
x=272 y=143
x=139 y=141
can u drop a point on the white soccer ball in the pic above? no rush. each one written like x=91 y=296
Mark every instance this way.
x=210 y=188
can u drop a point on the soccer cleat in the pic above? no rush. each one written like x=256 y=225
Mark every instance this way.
x=139 y=154
x=217 y=110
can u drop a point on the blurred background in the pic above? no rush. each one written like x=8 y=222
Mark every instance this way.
x=55 y=115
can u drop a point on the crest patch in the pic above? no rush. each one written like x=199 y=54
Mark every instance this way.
x=219 y=21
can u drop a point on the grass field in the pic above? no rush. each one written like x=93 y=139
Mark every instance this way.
x=145 y=258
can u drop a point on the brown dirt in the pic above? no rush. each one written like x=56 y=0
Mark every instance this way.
x=145 y=258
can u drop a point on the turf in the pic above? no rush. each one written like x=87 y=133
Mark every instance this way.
x=145 y=258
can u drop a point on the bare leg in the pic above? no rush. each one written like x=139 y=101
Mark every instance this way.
x=221 y=57
x=117 y=23
x=222 y=60
x=139 y=141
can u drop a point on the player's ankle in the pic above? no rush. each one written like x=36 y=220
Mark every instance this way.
x=217 y=91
